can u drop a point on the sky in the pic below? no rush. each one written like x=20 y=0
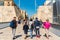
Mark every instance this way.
x=29 y=5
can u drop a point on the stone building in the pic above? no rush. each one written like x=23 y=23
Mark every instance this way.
x=45 y=12
x=8 y=10
x=8 y=2
x=22 y=14
x=56 y=11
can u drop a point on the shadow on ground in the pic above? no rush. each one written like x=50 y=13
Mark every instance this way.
x=18 y=36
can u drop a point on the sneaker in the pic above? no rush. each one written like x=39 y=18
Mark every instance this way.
x=38 y=36
x=14 y=37
x=49 y=35
x=26 y=37
x=1 y=32
x=45 y=35
x=31 y=37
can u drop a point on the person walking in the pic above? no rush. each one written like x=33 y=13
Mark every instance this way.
x=37 y=27
x=31 y=25
x=13 y=25
x=46 y=26
x=25 y=28
x=19 y=20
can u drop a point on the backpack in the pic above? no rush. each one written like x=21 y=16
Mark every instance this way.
x=11 y=24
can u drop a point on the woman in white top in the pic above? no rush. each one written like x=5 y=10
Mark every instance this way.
x=31 y=28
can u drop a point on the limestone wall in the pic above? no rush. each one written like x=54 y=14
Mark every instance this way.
x=6 y=3
x=7 y=13
x=45 y=12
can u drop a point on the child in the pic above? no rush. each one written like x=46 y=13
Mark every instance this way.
x=25 y=28
x=32 y=27
x=19 y=20
x=47 y=26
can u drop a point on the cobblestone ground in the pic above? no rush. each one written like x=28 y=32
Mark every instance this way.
x=6 y=34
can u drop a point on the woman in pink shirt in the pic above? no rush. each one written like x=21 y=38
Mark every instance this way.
x=47 y=26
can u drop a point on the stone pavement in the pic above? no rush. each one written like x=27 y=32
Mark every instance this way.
x=4 y=25
x=6 y=34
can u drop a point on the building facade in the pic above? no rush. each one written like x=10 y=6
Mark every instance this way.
x=56 y=11
x=8 y=10
x=50 y=10
x=6 y=2
x=45 y=12
x=49 y=2
x=22 y=14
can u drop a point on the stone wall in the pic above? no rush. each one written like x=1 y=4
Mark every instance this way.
x=8 y=3
x=7 y=13
x=45 y=12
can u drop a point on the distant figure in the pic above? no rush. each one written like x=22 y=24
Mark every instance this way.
x=25 y=28
x=31 y=25
x=46 y=26
x=37 y=27
x=19 y=20
x=13 y=25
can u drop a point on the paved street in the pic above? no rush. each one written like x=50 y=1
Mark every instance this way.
x=4 y=25
x=6 y=34
x=55 y=29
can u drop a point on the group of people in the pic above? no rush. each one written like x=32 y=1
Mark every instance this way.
x=30 y=26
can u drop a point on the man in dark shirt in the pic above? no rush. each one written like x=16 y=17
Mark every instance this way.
x=14 y=25
x=37 y=27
